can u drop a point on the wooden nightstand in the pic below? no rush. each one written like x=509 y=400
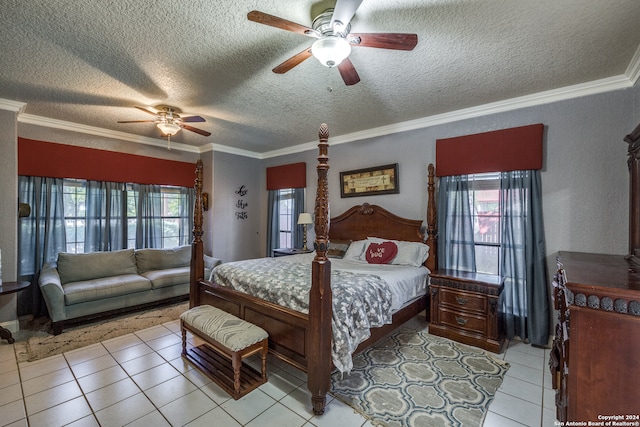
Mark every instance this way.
x=465 y=308
x=289 y=251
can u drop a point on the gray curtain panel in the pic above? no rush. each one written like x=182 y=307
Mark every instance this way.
x=106 y=216
x=149 y=211
x=526 y=294
x=456 y=249
x=297 y=235
x=273 y=215
x=41 y=236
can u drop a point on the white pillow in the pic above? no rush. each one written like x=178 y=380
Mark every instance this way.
x=409 y=253
x=355 y=250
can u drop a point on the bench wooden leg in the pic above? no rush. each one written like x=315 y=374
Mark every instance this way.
x=263 y=353
x=236 y=363
x=184 y=339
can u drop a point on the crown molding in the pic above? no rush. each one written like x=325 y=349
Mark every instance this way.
x=231 y=150
x=15 y=106
x=584 y=89
x=633 y=70
x=107 y=133
x=575 y=91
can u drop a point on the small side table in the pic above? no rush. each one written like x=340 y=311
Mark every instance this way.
x=5 y=289
x=289 y=251
x=465 y=307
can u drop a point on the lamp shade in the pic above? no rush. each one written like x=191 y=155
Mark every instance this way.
x=305 y=218
x=331 y=50
x=168 y=128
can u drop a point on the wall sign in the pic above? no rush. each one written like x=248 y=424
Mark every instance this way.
x=370 y=181
x=241 y=205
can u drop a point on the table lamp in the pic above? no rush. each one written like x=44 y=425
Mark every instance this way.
x=304 y=219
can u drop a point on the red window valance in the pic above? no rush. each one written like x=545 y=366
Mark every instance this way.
x=503 y=150
x=293 y=175
x=40 y=158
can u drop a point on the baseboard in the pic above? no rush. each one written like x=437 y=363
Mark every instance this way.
x=11 y=325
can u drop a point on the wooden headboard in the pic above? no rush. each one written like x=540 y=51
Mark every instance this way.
x=367 y=220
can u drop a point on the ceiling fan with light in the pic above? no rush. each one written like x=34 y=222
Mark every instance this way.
x=332 y=29
x=170 y=122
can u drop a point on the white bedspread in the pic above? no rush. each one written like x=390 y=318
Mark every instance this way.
x=405 y=282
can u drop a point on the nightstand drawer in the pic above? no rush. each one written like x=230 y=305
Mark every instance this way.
x=465 y=307
x=463 y=300
x=459 y=320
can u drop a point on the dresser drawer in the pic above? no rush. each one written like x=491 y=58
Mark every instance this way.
x=466 y=321
x=463 y=300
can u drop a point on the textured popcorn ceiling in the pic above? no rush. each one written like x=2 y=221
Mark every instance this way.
x=91 y=62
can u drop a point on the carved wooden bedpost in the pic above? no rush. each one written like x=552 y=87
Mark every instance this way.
x=197 y=250
x=320 y=304
x=432 y=234
x=633 y=139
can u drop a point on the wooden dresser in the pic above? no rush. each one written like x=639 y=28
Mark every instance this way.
x=464 y=308
x=595 y=358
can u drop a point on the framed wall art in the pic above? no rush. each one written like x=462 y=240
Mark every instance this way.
x=370 y=181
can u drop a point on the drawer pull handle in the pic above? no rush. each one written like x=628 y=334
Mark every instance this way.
x=461 y=321
x=461 y=301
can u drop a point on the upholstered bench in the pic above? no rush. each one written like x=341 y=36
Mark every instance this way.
x=226 y=337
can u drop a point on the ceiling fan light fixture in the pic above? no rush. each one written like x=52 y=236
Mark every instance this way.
x=331 y=50
x=168 y=128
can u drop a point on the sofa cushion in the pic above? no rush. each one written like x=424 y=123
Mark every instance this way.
x=96 y=289
x=161 y=259
x=95 y=265
x=168 y=277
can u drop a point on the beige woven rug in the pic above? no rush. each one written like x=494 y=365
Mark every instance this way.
x=34 y=342
x=414 y=379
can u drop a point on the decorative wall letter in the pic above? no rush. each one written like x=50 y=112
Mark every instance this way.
x=241 y=204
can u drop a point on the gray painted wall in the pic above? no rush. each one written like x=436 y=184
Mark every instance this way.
x=584 y=178
x=8 y=211
x=236 y=214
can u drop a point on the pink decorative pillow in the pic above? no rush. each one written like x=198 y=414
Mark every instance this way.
x=381 y=253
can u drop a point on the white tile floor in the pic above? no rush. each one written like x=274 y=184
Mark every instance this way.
x=141 y=380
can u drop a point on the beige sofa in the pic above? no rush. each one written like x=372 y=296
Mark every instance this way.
x=85 y=286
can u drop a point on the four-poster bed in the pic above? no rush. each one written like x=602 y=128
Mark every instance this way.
x=305 y=339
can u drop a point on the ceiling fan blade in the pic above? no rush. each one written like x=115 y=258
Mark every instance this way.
x=348 y=72
x=397 y=41
x=147 y=111
x=192 y=119
x=293 y=61
x=136 y=121
x=344 y=11
x=283 y=24
x=196 y=130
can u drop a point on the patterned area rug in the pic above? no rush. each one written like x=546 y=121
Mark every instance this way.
x=34 y=341
x=417 y=379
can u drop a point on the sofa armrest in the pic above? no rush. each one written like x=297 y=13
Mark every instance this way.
x=52 y=291
x=209 y=264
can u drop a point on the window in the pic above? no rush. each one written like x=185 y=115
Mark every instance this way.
x=285 y=220
x=74 y=200
x=132 y=218
x=484 y=194
x=175 y=215
x=173 y=205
